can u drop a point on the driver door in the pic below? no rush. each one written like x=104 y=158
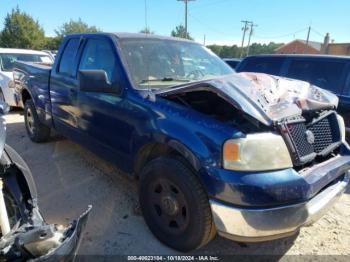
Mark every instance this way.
x=103 y=119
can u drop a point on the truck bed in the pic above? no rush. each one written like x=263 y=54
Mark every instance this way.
x=35 y=79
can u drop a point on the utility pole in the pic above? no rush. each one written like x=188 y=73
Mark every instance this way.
x=146 y=18
x=308 y=36
x=250 y=36
x=245 y=28
x=186 y=14
x=204 y=38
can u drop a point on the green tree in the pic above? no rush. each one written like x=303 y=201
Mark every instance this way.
x=52 y=43
x=21 y=31
x=257 y=49
x=147 y=30
x=180 y=31
x=234 y=51
x=73 y=26
x=215 y=48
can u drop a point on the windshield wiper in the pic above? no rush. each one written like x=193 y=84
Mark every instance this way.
x=165 y=79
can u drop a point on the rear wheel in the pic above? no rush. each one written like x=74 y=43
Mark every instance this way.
x=175 y=205
x=36 y=131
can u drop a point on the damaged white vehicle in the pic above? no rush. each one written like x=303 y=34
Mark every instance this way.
x=24 y=233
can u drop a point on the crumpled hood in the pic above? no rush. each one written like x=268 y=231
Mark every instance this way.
x=266 y=98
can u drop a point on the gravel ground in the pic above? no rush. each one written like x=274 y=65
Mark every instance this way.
x=69 y=178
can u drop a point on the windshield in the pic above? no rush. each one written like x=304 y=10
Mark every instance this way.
x=7 y=61
x=158 y=63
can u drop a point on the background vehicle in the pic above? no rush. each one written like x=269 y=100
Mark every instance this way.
x=52 y=53
x=24 y=233
x=8 y=57
x=232 y=62
x=213 y=150
x=328 y=72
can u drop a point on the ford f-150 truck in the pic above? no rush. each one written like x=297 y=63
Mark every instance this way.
x=251 y=156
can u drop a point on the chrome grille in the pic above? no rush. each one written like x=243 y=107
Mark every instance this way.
x=326 y=132
x=325 y=137
x=297 y=133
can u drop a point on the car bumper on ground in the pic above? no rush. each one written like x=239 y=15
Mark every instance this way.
x=247 y=224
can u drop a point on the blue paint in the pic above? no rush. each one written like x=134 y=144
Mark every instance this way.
x=117 y=127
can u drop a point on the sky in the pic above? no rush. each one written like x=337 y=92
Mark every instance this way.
x=218 y=20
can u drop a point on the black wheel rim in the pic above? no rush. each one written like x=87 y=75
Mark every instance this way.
x=169 y=206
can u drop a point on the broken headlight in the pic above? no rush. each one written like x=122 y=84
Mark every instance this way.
x=256 y=152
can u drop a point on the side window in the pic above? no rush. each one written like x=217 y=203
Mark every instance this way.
x=346 y=90
x=68 y=57
x=98 y=55
x=269 y=65
x=324 y=74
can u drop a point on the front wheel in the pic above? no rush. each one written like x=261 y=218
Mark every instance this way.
x=175 y=205
x=36 y=131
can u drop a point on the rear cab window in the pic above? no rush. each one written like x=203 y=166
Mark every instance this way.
x=346 y=88
x=323 y=73
x=67 y=63
x=267 y=65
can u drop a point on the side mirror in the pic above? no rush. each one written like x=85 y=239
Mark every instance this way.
x=96 y=81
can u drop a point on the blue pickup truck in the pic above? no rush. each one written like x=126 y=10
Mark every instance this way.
x=251 y=157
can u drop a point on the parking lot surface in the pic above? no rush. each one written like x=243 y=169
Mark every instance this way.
x=69 y=178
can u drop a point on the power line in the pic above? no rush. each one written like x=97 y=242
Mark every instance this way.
x=210 y=4
x=317 y=32
x=281 y=36
x=207 y=26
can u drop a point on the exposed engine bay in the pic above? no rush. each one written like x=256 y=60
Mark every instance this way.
x=209 y=103
x=266 y=98
x=302 y=113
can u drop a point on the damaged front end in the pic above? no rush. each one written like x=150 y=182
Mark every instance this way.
x=268 y=99
x=288 y=164
x=303 y=114
x=24 y=233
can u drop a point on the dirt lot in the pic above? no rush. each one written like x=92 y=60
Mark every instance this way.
x=69 y=178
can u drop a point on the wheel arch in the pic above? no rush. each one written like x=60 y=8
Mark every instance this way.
x=153 y=150
x=26 y=95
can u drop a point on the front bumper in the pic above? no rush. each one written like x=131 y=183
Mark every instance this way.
x=254 y=224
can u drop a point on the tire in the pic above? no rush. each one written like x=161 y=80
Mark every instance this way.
x=174 y=205
x=36 y=131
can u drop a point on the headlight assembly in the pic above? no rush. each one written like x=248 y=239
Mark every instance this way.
x=256 y=152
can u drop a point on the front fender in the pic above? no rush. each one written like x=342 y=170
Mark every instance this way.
x=196 y=137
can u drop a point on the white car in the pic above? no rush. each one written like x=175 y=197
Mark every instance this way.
x=8 y=57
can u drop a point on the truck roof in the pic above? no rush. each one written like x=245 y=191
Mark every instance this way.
x=21 y=51
x=303 y=55
x=124 y=35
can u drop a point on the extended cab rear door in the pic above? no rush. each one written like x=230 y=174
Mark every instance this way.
x=64 y=87
x=105 y=117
